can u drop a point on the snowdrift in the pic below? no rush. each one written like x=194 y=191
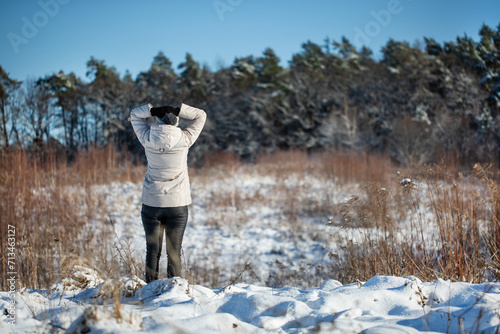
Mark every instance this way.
x=84 y=303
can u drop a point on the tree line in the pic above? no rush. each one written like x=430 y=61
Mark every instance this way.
x=416 y=103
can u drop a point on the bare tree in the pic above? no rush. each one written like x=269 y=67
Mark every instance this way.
x=7 y=86
x=37 y=114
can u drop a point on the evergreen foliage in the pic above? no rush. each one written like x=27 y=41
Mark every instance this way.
x=416 y=104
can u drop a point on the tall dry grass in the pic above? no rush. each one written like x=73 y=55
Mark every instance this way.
x=439 y=220
x=341 y=166
x=297 y=185
x=51 y=204
x=438 y=223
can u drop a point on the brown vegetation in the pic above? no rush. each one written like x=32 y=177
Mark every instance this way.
x=429 y=221
x=51 y=205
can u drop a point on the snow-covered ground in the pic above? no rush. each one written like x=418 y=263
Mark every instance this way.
x=234 y=222
x=244 y=250
x=84 y=303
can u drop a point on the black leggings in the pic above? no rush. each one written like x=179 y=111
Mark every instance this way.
x=159 y=221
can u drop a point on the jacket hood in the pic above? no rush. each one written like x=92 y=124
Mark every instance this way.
x=165 y=136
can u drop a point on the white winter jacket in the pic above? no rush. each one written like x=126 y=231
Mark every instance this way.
x=166 y=183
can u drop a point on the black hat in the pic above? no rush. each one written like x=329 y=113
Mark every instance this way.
x=170 y=119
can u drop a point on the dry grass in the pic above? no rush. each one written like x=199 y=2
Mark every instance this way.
x=442 y=223
x=438 y=223
x=452 y=233
x=51 y=205
x=297 y=185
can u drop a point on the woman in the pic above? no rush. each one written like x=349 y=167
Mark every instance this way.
x=166 y=192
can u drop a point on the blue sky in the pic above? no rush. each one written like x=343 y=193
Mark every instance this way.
x=39 y=37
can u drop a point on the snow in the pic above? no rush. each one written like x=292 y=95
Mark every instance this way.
x=232 y=230
x=383 y=304
x=405 y=181
x=230 y=235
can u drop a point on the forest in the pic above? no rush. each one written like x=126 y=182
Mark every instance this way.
x=417 y=104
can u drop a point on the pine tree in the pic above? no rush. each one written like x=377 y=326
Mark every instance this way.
x=244 y=73
x=268 y=67
x=192 y=81
x=157 y=85
x=67 y=91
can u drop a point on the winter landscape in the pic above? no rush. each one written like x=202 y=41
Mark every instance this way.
x=343 y=163
x=261 y=263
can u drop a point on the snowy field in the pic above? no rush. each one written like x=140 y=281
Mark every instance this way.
x=239 y=246
x=380 y=305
